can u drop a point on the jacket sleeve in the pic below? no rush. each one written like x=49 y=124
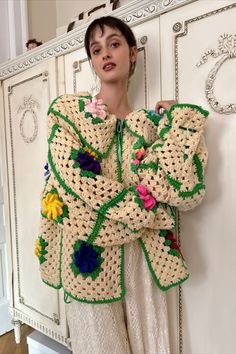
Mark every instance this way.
x=108 y=197
x=180 y=155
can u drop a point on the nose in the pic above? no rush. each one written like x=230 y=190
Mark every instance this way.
x=106 y=55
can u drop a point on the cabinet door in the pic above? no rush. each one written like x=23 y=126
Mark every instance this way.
x=144 y=86
x=26 y=100
x=5 y=324
x=199 y=66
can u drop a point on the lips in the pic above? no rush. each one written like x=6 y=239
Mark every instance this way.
x=108 y=66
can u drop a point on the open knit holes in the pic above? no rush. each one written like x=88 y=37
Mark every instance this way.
x=106 y=284
x=82 y=220
x=50 y=268
x=165 y=264
x=112 y=233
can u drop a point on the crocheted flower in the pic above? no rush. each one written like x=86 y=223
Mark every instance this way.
x=138 y=156
x=47 y=172
x=149 y=202
x=87 y=161
x=40 y=249
x=91 y=152
x=171 y=241
x=87 y=259
x=96 y=108
x=53 y=207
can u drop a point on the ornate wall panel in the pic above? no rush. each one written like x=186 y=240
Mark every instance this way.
x=206 y=36
x=27 y=97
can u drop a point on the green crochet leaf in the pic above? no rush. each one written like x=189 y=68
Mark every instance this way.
x=173 y=182
x=90 y=174
x=199 y=167
x=196 y=189
x=97 y=120
x=81 y=105
x=87 y=115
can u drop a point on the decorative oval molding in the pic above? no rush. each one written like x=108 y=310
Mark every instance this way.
x=29 y=104
x=29 y=139
x=227 y=51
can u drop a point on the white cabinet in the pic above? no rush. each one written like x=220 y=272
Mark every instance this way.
x=27 y=96
x=190 y=36
x=172 y=37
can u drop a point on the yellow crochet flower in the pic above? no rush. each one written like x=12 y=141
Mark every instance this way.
x=92 y=153
x=38 y=248
x=52 y=206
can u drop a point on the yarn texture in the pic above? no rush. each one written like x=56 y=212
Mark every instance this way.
x=111 y=182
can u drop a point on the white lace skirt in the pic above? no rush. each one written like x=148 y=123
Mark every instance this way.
x=136 y=325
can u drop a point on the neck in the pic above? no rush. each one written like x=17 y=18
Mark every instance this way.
x=116 y=98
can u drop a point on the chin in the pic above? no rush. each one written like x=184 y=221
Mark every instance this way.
x=112 y=79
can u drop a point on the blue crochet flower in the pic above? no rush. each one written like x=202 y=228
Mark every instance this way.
x=88 y=163
x=47 y=172
x=86 y=258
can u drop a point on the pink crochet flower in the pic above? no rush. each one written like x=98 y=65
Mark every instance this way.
x=141 y=190
x=136 y=162
x=96 y=108
x=139 y=155
x=148 y=200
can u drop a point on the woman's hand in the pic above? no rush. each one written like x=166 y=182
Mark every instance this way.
x=162 y=105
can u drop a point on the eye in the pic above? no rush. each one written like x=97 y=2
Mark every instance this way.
x=96 y=51
x=115 y=44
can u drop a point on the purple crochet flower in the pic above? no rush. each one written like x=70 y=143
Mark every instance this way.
x=86 y=258
x=88 y=163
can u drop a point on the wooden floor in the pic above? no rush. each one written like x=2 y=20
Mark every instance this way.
x=8 y=344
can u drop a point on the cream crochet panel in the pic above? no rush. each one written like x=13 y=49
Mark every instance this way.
x=101 y=211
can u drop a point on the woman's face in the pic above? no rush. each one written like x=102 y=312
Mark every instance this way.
x=110 y=55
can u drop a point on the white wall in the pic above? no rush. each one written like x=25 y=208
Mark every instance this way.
x=67 y=9
x=4 y=34
x=45 y=16
x=13 y=28
x=42 y=17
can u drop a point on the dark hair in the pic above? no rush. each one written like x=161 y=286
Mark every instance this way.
x=33 y=40
x=112 y=22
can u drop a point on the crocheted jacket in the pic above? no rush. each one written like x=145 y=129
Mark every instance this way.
x=111 y=182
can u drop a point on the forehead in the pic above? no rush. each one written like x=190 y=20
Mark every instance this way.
x=99 y=33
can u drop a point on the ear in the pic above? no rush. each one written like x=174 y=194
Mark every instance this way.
x=133 y=54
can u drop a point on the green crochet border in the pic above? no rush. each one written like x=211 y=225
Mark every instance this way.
x=153 y=116
x=82 y=139
x=140 y=143
x=119 y=165
x=43 y=252
x=122 y=285
x=164 y=288
x=166 y=129
x=53 y=102
x=59 y=286
x=100 y=260
x=103 y=210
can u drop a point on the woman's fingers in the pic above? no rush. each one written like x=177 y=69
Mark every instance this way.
x=162 y=105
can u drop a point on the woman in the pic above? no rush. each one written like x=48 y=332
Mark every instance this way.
x=108 y=204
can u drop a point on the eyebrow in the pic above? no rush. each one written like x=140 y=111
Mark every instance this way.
x=108 y=37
